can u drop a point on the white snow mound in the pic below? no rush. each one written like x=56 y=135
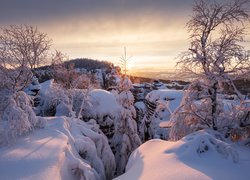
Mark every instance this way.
x=66 y=148
x=200 y=155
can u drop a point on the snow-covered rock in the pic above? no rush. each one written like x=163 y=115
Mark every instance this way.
x=160 y=105
x=174 y=96
x=102 y=106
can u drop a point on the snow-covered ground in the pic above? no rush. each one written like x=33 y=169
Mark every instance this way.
x=39 y=155
x=54 y=153
x=201 y=155
x=69 y=148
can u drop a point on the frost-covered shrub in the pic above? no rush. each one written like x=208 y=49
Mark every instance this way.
x=195 y=113
x=125 y=138
x=17 y=117
x=57 y=101
x=51 y=98
x=187 y=117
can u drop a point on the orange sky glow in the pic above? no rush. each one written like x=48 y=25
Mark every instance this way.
x=153 y=32
x=152 y=42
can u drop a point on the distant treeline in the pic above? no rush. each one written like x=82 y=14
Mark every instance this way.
x=86 y=63
x=89 y=64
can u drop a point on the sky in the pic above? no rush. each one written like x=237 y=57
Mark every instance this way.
x=153 y=31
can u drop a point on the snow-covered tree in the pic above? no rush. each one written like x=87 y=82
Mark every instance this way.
x=125 y=138
x=22 y=48
x=17 y=117
x=191 y=115
x=216 y=55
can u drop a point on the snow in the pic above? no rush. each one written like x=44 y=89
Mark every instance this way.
x=38 y=156
x=141 y=106
x=45 y=86
x=201 y=155
x=104 y=103
x=174 y=96
x=68 y=148
x=54 y=153
x=160 y=105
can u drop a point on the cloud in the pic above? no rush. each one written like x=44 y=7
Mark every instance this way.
x=43 y=10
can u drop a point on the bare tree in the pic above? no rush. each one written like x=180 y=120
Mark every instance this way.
x=22 y=48
x=216 y=31
x=25 y=43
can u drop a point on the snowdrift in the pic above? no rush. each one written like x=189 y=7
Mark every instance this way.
x=200 y=155
x=66 y=148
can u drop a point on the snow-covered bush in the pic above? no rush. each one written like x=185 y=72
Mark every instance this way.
x=195 y=112
x=188 y=117
x=55 y=99
x=58 y=101
x=125 y=138
x=17 y=117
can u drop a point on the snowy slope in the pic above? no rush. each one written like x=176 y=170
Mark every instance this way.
x=38 y=156
x=197 y=156
x=53 y=153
